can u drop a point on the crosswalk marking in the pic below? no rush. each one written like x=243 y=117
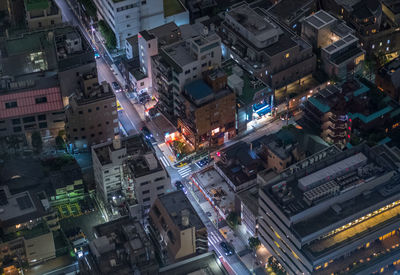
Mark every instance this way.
x=214 y=238
x=185 y=171
x=165 y=161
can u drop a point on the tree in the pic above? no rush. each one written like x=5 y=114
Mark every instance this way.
x=254 y=243
x=37 y=142
x=108 y=34
x=60 y=143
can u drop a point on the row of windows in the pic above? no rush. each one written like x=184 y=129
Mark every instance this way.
x=127 y=7
x=83 y=129
x=18 y=129
x=92 y=135
x=14 y=104
x=90 y=110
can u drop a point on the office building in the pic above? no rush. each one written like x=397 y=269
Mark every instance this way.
x=209 y=111
x=176 y=229
x=181 y=63
x=128 y=17
x=128 y=165
x=387 y=79
x=91 y=116
x=265 y=47
x=334 y=212
x=121 y=247
x=42 y=14
x=34 y=92
x=341 y=53
x=142 y=47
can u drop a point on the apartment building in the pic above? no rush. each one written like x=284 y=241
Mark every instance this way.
x=341 y=53
x=36 y=69
x=344 y=110
x=42 y=14
x=27 y=228
x=209 y=111
x=181 y=63
x=148 y=177
x=128 y=17
x=128 y=165
x=91 y=116
x=120 y=246
x=142 y=47
x=265 y=47
x=176 y=229
x=334 y=212
x=372 y=21
x=387 y=79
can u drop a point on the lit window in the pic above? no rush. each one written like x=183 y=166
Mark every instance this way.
x=266 y=72
x=373 y=31
x=387 y=49
x=373 y=46
x=380 y=44
x=287 y=55
x=388 y=41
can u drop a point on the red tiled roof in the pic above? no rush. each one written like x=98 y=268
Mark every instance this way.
x=27 y=105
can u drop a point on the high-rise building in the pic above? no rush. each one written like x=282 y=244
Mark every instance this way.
x=181 y=63
x=335 y=212
x=128 y=17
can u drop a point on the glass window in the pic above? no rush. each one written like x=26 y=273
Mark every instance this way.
x=42 y=99
x=11 y=104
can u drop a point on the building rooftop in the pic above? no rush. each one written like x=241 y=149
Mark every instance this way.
x=391 y=70
x=206 y=264
x=288 y=10
x=172 y=7
x=393 y=5
x=177 y=205
x=116 y=240
x=198 y=89
x=46 y=52
x=320 y=19
x=178 y=54
x=31 y=5
x=67 y=175
x=253 y=88
x=253 y=22
x=238 y=158
x=134 y=145
x=334 y=188
x=145 y=164
x=216 y=189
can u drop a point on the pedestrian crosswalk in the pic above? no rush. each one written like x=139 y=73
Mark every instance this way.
x=165 y=161
x=213 y=239
x=185 y=171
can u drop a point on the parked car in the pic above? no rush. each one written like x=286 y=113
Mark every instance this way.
x=179 y=185
x=228 y=250
x=116 y=86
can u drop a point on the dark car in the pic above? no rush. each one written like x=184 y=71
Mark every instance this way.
x=227 y=249
x=179 y=185
x=115 y=86
x=147 y=132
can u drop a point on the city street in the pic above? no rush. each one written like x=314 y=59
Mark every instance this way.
x=132 y=122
